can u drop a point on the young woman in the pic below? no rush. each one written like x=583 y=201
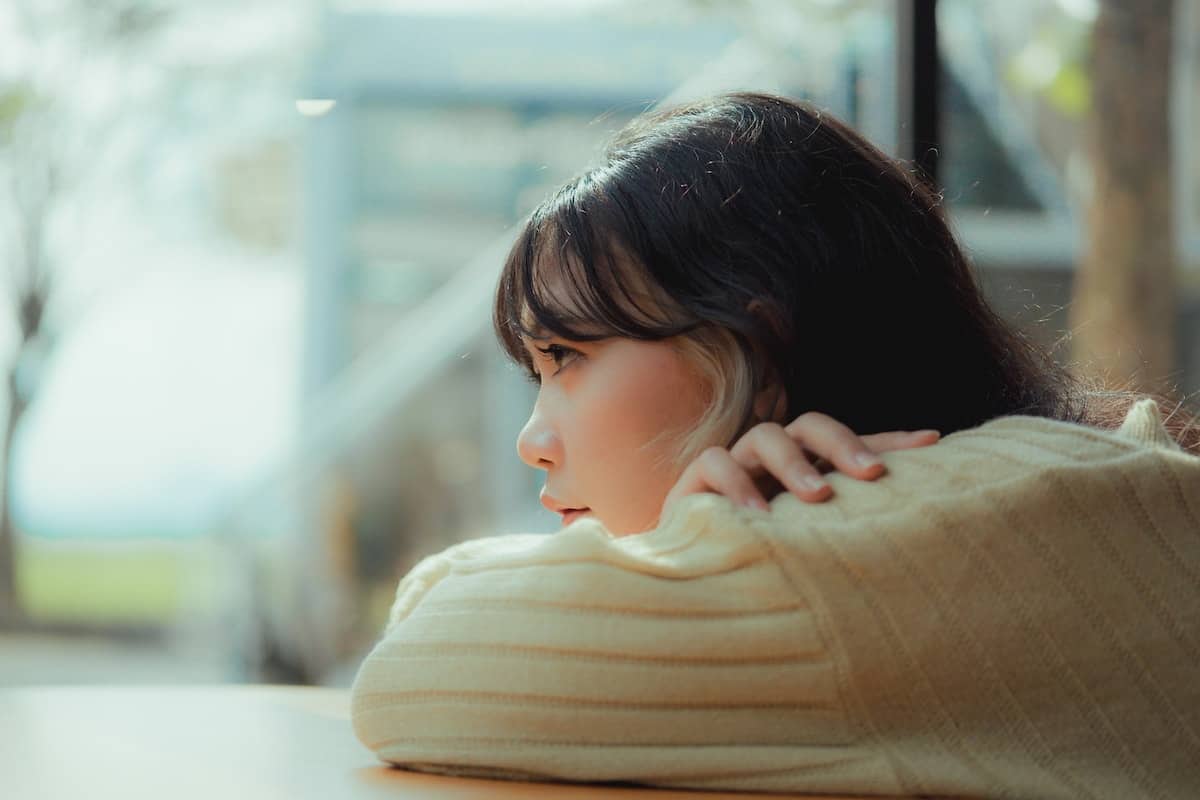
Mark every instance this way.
x=742 y=287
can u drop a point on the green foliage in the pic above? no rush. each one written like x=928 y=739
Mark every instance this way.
x=1053 y=67
x=1071 y=91
x=16 y=100
x=95 y=585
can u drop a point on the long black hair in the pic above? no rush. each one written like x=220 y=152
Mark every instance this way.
x=831 y=264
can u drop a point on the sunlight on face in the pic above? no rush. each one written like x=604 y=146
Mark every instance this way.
x=606 y=423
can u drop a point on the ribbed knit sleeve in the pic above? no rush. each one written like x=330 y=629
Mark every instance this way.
x=1030 y=629
x=1014 y=612
x=680 y=657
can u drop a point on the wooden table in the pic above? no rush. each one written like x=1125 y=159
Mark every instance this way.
x=226 y=743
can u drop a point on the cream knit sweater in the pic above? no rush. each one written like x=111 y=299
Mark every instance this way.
x=1013 y=612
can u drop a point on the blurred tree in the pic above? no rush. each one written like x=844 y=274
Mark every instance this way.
x=44 y=156
x=30 y=283
x=1123 y=314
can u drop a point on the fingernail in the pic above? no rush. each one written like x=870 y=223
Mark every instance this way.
x=813 y=483
x=927 y=432
x=756 y=503
x=800 y=478
x=867 y=460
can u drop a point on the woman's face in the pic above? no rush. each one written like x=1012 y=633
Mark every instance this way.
x=606 y=424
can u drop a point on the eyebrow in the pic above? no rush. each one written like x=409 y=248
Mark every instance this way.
x=533 y=329
x=527 y=326
x=529 y=339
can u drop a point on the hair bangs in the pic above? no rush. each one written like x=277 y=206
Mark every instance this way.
x=575 y=272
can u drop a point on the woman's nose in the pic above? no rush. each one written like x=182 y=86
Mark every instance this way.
x=538 y=444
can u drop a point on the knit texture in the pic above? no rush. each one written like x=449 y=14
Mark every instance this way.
x=1013 y=612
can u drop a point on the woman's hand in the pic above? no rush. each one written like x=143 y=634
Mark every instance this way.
x=773 y=457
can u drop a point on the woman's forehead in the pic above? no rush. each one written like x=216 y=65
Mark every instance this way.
x=530 y=327
x=535 y=329
x=590 y=300
x=554 y=292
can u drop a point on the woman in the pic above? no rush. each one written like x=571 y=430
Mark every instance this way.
x=1012 y=612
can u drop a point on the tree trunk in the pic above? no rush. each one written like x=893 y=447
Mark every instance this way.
x=1123 y=314
x=11 y=610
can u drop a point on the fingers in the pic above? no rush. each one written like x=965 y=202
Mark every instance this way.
x=716 y=470
x=769 y=448
x=900 y=440
x=837 y=444
x=783 y=453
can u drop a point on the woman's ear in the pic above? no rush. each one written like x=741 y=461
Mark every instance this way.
x=770 y=402
x=770 y=397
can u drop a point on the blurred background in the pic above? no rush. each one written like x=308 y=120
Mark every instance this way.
x=248 y=251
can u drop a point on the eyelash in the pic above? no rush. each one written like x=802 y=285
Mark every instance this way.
x=557 y=353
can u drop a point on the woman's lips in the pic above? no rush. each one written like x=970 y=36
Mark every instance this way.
x=571 y=514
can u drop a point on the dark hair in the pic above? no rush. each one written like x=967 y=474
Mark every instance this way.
x=831 y=264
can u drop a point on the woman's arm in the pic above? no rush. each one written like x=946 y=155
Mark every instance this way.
x=678 y=657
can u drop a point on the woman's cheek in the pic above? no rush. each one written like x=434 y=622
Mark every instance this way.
x=636 y=501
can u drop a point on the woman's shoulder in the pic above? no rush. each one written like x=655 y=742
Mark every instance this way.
x=1012 y=460
x=1020 y=445
x=1141 y=428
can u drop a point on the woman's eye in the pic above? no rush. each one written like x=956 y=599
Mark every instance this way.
x=561 y=355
